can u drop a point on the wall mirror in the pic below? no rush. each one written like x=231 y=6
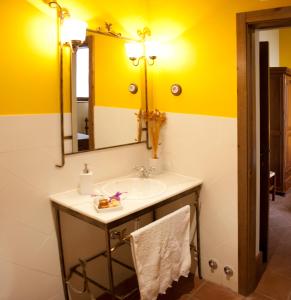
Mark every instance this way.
x=103 y=101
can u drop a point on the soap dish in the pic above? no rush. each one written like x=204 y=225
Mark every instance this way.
x=106 y=209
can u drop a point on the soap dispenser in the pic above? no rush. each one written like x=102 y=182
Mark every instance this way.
x=86 y=186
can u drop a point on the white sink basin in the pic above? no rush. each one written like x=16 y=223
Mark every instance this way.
x=135 y=188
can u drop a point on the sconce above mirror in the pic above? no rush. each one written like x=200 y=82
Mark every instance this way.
x=142 y=50
x=73 y=32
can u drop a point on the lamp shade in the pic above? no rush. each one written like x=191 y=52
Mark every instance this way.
x=151 y=49
x=73 y=30
x=134 y=50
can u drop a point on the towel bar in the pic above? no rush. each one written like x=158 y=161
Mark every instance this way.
x=126 y=238
x=83 y=274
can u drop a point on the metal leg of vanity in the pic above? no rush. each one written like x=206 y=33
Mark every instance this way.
x=198 y=251
x=109 y=263
x=109 y=249
x=61 y=252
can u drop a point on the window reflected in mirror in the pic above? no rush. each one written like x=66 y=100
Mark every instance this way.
x=82 y=97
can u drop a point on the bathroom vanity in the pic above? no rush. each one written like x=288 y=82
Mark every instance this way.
x=144 y=195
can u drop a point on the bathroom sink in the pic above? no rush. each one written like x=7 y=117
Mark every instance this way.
x=135 y=188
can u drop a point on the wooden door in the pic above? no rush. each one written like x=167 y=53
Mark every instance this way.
x=264 y=148
x=277 y=126
x=287 y=133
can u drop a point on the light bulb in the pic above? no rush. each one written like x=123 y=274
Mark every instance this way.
x=151 y=49
x=134 y=50
x=73 y=30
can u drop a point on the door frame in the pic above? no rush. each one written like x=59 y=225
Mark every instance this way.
x=247 y=23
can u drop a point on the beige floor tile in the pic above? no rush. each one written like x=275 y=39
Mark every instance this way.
x=183 y=289
x=210 y=291
x=284 y=247
x=280 y=268
x=275 y=286
x=257 y=296
x=285 y=272
x=278 y=261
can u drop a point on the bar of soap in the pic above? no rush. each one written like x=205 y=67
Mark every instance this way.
x=114 y=202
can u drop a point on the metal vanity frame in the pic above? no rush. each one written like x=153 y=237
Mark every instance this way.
x=107 y=227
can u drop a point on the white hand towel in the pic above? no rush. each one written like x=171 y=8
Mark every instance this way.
x=161 y=253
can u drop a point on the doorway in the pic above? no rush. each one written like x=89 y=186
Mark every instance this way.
x=247 y=24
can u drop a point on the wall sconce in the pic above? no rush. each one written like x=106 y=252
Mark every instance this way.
x=70 y=32
x=73 y=32
x=134 y=51
x=151 y=51
x=142 y=50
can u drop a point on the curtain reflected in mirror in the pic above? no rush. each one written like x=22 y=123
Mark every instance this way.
x=103 y=108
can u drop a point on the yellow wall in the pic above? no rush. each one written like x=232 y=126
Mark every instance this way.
x=198 y=37
x=28 y=60
x=199 y=52
x=113 y=74
x=126 y=16
x=29 y=82
x=285 y=47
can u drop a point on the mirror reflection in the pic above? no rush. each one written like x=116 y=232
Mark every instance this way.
x=106 y=95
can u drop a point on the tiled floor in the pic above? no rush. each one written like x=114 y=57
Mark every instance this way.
x=203 y=290
x=276 y=281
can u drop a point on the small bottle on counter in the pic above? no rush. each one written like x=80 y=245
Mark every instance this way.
x=86 y=186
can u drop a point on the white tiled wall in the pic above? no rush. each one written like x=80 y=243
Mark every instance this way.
x=194 y=145
x=29 y=150
x=206 y=147
x=114 y=126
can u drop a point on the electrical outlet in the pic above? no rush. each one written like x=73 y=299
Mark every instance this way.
x=213 y=264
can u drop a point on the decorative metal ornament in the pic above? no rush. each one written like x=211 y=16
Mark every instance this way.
x=107 y=30
x=176 y=89
x=133 y=88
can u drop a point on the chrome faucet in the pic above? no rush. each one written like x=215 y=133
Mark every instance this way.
x=144 y=172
